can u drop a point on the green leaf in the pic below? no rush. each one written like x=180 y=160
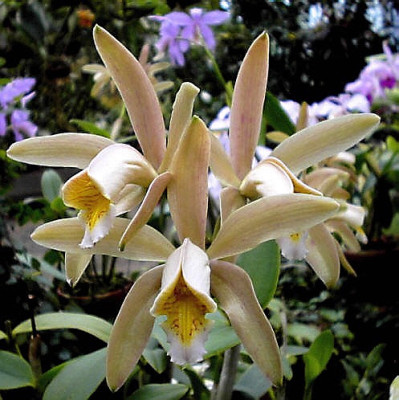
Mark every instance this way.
x=221 y=337
x=253 y=382
x=15 y=372
x=49 y=375
x=79 y=378
x=317 y=357
x=155 y=356
x=263 y=266
x=62 y=320
x=51 y=184
x=165 y=391
x=276 y=116
x=90 y=127
x=3 y=335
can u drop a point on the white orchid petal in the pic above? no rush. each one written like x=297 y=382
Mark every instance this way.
x=232 y=286
x=137 y=92
x=345 y=233
x=66 y=234
x=132 y=328
x=293 y=247
x=323 y=256
x=75 y=265
x=61 y=150
x=269 y=218
x=119 y=165
x=247 y=105
x=180 y=119
x=352 y=215
x=185 y=300
x=318 y=142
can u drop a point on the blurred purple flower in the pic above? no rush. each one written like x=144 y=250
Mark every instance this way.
x=3 y=124
x=21 y=125
x=14 y=89
x=178 y=29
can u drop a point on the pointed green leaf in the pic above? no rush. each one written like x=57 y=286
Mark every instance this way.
x=276 y=117
x=154 y=391
x=317 y=357
x=327 y=138
x=89 y=127
x=78 y=379
x=15 y=372
x=51 y=184
x=263 y=266
x=253 y=382
x=91 y=324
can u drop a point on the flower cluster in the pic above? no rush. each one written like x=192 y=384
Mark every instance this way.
x=179 y=29
x=257 y=203
x=13 y=113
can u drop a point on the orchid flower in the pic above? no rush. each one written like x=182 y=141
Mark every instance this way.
x=116 y=177
x=318 y=246
x=277 y=173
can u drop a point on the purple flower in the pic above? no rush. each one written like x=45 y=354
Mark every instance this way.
x=21 y=125
x=178 y=29
x=3 y=124
x=14 y=89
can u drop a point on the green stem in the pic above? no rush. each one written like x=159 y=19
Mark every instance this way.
x=228 y=374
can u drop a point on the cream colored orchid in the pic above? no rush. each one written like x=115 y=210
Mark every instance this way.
x=181 y=289
x=318 y=246
x=276 y=174
x=115 y=178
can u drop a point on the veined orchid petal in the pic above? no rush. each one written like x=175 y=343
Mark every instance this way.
x=269 y=218
x=75 y=265
x=180 y=119
x=351 y=214
x=319 y=175
x=232 y=286
x=318 y=142
x=137 y=92
x=130 y=197
x=65 y=235
x=143 y=214
x=221 y=165
x=185 y=300
x=132 y=328
x=61 y=150
x=247 y=105
x=230 y=200
x=119 y=165
x=323 y=256
x=188 y=189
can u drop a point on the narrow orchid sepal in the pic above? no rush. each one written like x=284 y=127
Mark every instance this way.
x=65 y=235
x=221 y=165
x=143 y=214
x=180 y=119
x=230 y=200
x=270 y=218
x=247 y=105
x=345 y=233
x=188 y=189
x=232 y=286
x=322 y=255
x=75 y=265
x=62 y=150
x=137 y=92
x=132 y=328
x=185 y=300
x=318 y=142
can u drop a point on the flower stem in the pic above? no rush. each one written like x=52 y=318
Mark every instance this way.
x=228 y=374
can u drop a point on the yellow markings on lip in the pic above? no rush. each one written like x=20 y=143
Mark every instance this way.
x=296 y=237
x=83 y=194
x=184 y=311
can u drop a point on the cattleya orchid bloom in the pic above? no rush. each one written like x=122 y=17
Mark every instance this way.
x=116 y=177
x=318 y=246
x=277 y=173
x=182 y=289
